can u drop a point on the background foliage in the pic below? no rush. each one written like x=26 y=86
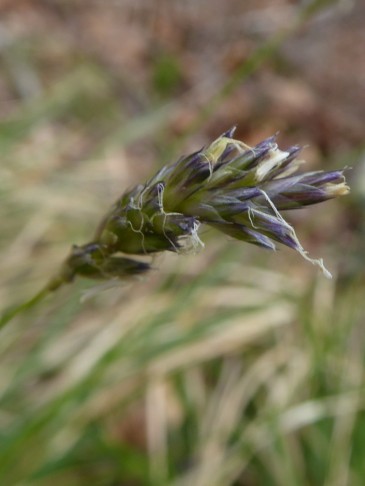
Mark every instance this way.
x=231 y=367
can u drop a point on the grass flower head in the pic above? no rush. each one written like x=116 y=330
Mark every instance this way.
x=237 y=189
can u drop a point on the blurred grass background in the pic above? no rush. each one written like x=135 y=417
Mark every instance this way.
x=231 y=367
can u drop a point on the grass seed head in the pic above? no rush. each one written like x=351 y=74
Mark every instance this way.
x=228 y=185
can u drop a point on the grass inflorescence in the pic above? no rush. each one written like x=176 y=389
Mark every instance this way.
x=227 y=185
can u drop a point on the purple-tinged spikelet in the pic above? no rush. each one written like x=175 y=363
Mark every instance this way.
x=228 y=185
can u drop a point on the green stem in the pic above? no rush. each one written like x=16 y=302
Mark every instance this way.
x=13 y=311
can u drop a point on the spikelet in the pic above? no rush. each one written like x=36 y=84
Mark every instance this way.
x=237 y=189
